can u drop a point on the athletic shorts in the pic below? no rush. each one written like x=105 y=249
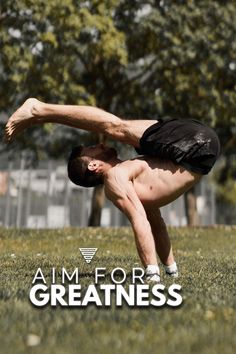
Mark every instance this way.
x=186 y=142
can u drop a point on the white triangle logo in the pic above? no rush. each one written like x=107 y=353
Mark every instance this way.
x=88 y=253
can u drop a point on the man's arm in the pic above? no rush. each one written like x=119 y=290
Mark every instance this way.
x=119 y=189
x=161 y=236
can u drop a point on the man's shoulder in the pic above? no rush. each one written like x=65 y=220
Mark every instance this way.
x=124 y=173
x=127 y=167
x=132 y=163
x=114 y=173
x=115 y=180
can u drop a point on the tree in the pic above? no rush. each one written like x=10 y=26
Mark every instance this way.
x=184 y=55
x=71 y=54
x=139 y=59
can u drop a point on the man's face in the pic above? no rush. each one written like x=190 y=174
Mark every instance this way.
x=99 y=152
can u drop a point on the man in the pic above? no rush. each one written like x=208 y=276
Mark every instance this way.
x=177 y=153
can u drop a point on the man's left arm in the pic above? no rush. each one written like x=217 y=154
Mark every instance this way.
x=161 y=236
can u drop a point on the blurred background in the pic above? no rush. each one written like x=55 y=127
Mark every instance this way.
x=136 y=59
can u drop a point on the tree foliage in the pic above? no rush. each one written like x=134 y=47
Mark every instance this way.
x=139 y=59
x=152 y=57
x=53 y=50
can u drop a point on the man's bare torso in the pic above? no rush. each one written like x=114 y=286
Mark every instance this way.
x=156 y=182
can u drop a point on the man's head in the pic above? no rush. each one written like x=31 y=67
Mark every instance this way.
x=86 y=165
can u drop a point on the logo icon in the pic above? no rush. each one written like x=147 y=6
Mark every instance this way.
x=88 y=253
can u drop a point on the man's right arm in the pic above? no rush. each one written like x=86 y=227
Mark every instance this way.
x=121 y=192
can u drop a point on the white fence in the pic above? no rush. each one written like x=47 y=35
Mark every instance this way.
x=45 y=198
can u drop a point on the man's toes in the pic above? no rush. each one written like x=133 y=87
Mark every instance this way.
x=9 y=130
x=6 y=137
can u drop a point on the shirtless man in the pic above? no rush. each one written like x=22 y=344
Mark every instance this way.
x=177 y=153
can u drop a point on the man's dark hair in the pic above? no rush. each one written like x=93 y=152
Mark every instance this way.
x=78 y=171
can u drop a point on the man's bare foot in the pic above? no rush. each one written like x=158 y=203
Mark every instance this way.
x=21 y=119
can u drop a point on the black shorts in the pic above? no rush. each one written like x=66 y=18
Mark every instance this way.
x=186 y=142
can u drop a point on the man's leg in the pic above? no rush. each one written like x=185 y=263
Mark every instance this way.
x=83 y=117
x=162 y=241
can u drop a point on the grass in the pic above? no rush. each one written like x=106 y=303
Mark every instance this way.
x=205 y=322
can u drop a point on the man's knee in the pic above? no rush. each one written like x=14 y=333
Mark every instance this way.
x=115 y=128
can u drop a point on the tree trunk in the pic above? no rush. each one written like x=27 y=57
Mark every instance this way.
x=97 y=204
x=191 y=207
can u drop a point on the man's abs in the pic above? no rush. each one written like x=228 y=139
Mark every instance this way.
x=161 y=182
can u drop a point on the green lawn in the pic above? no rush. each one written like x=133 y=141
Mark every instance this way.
x=205 y=322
